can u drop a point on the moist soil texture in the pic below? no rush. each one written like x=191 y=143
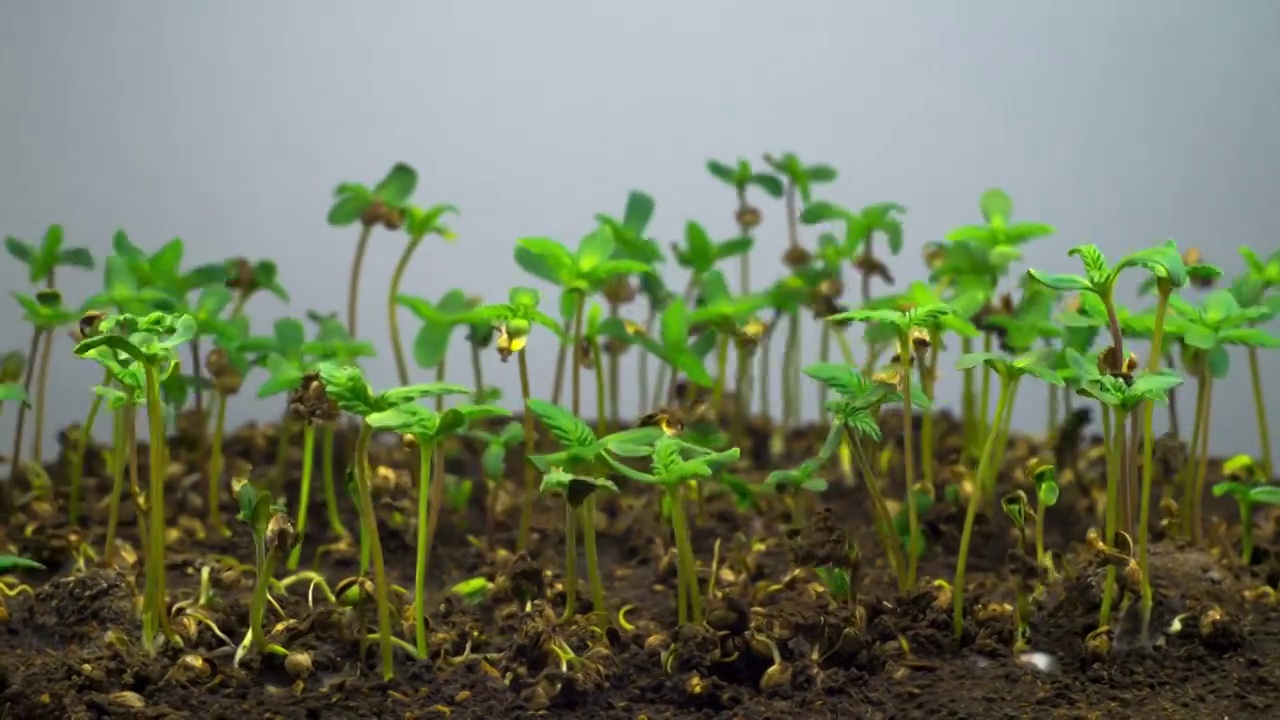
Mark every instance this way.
x=71 y=646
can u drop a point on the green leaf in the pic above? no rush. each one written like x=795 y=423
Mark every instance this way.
x=1199 y=336
x=700 y=253
x=888 y=317
x=1248 y=337
x=770 y=184
x=1045 y=480
x=734 y=247
x=843 y=379
x=1095 y=263
x=397 y=186
x=346 y=210
x=1164 y=262
x=567 y=428
x=821 y=211
x=674 y=325
x=1219 y=361
x=996 y=206
x=12 y=392
x=1062 y=282
x=1155 y=385
x=9 y=563
x=1265 y=495
x=820 y=173
x=722 y=172
x=546 y=259
x=76 y=257
x=21 y=251
x=638 y=212
x=396 y=397
x=595 y=248
x=974 y=359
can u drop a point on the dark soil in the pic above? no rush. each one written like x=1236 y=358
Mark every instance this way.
x=71 y=650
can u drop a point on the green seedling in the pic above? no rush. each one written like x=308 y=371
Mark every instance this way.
x=799 y=179
x=418 y=224
x=273 y=536
x=493 y=468
x=860 y=230
x=678 y=349
x=1015 y=507
x=473 y=591
x=853 y=417
x=43 y=261
x=1207 y=330
x=1120 y=397
x=439 y=322
x=913 y=341
x=742 y=177
x=632 y=244
x=576 y=490
x=1010 y=372
x=346 y=387
x=1251 y=290
x=149 y=343
x=514 y=321
x=700 y=254
x=1247 y=484
x=227 y=365
x=46 y=313
x=283 y=356
x=583 y=455
x=429 y=429
x=386 y=204
x=1044 y=480
x=999 y=227
x=803 y=477
x=123 y=402
x=672 y=471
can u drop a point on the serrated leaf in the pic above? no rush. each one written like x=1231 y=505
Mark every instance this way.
x=1061 y=282
x=567 y=428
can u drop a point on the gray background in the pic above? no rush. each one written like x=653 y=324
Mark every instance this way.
x=229 y=124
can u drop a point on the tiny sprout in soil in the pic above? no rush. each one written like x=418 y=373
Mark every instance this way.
x=697 y=552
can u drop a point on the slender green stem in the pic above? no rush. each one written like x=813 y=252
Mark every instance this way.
x=282 y=455
x=1246 y=533
x=119 y=461
x=15 y=458
x=743 y=391
x=562 y=357
x=884 y=520
x=968 y=403
x=842 y=342
x=1008 y=388
x=1148 y=459
x=258 y=604
x=353 y=285
x=570 y=561
x=909 y=463
x=686 y=566
x=1188 y=475
x=643 y=363
x=157 y=468
x=79 y=451
x=477 y=370
x=722 y=372
x=41 y=404
x=393 y=317
x=530 y=491
x=1260 y=409
x=928 y=375
x=304 y=494
x=983 y=427
x=824 y=355
x=1041 y=509
x=425 y=449
x=1113 y=427
x=1202 y=468
x=215 y=466
x=440 y=374
x=788 y=364
x=370 y=533
x=1051 y=426
x=615 y=377
x=328 y=435
x=593 y=562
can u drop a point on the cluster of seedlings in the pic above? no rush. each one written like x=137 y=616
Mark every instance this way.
x=176 y=345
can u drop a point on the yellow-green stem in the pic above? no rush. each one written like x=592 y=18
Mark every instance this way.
x=824 y=355
x=15 y=458
x=884 y=520
x=1113 y=433
x=1187 y=476
x=928 y=374
x=282 y=455
x=157 y=469
x=1148 y=460
x=593 y=562
x=393 y=319
x=304 y=494
x=686 y=565
x=369 y=522
x=119 y=460
x=530 y=491
x=258 y=604
x=570 y=561
x=42 y=388
x=81 y=447
x=1202 y=469
x=215 y=466
x=425 y=449
x=722 y=372
x=909 y=463
x=353 y=286
x=968 y=402
x=1260 y=409
x=1003 y=402
x=327 y=441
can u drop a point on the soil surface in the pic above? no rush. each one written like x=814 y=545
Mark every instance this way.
x=71 y=647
